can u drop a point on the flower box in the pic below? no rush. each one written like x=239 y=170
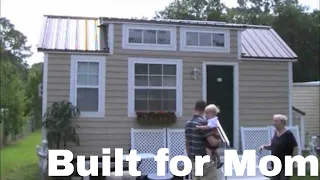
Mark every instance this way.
x=156 y=118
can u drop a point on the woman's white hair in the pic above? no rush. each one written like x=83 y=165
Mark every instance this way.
x=281 y=117
x=212 y=107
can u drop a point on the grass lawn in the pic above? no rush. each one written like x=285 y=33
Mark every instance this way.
x=19 y=160
x=307 y=177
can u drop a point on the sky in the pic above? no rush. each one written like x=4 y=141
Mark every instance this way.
x=27 y=15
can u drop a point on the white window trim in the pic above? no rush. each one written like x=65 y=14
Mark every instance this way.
x=184 y=47
x=125 y=38
x=132 y=61
x=73 y=80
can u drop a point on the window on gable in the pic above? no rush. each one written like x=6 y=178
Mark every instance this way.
x=155 y=87
x=205 y=39
x=149 y=36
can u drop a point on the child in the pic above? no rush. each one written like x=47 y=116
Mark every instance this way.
x=211 y=112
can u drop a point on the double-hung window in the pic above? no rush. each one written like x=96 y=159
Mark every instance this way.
x=87 y=89
x=204 y=40
x=154 y=85
x=148 y=37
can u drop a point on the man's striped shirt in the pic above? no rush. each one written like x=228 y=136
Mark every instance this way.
x=195 y=138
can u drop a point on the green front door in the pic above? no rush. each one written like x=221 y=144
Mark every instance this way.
x=220 y=92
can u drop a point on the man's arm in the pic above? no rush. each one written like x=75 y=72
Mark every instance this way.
x=202 y=127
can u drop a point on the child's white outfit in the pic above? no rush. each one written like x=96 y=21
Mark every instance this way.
x=213 y=122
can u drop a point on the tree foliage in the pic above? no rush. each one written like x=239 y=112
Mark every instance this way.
x=34 y=102
x=12 y=99
x=293 y=22
x=17 y=87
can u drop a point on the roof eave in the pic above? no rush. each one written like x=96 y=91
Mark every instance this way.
x=253 y=58
x=44 y=50
x=105 y=20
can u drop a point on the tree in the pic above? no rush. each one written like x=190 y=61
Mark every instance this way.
x=193 y=10
x=12 y=97
x=34 y=102
x=14 y=70
x=13 y=43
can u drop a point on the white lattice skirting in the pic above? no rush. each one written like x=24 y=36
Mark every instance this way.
x=254 y=137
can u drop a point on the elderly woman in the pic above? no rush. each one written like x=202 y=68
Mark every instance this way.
x=282 y=144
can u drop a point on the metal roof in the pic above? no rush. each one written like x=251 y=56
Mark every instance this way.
x=69 y=33
x=264 y=43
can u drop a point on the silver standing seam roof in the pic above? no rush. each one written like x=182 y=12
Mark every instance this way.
x=82 y=34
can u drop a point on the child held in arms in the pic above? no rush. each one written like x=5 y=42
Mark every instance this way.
x=211 y=112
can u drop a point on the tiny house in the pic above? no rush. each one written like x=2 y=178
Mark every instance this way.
x=113 y=68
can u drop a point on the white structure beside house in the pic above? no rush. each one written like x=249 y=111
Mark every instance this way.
x=306 y=97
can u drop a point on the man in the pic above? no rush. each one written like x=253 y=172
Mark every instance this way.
x=196 y=142
x=282 y=144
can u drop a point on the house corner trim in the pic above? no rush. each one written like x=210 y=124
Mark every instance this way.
x=290 y=78
x=111 y=38
x=45 y=92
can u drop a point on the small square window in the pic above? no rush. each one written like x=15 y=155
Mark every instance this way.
x=141 y=68
x=218 y=40
x=155 y=69
x=205 y=39
x=149 y=36
x=135 y=36
x=163 y=37
x=192 y=38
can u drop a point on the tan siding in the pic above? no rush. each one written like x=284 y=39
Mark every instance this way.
x=263 y=91
x=306 y=98
x=58 y=77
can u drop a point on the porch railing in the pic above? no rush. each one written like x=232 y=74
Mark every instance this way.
x=224 y=137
